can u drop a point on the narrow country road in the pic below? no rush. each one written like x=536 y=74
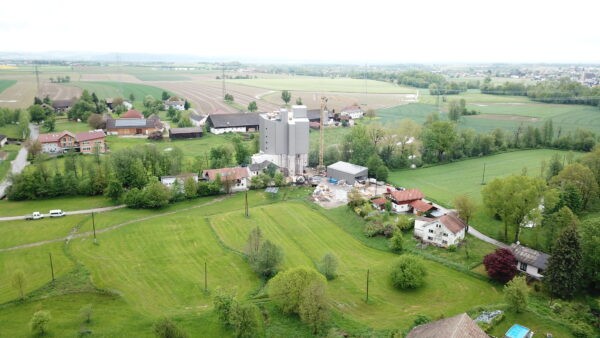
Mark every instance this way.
x=76 y=212
x=20 y=162
x=74 y=234
x=485 y=238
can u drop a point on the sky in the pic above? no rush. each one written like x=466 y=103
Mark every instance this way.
x=311 y=31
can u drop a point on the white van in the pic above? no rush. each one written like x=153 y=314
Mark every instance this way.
x=56 y=213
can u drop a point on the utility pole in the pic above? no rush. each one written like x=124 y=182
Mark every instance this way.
x=94 y=227
x=205 y=278
x=321 y=168
x=51 y=265
x=365 y=84
x=483 y=177
x=367 y=300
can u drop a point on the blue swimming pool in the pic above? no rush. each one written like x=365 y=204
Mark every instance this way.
x=517 y=331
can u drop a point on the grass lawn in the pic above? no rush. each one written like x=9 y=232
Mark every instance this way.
x=444 y=182
x=13 y=233
x=306 y=235
x=12 y=150
x=540 y=326
x=104 y=89
x=72 y=126
x=11 y=130
x=309 y=83
x=18 y=208
x=6 y=83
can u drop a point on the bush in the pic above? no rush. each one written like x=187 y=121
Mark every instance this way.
x=452 y=248
x=395 y=243
x=165 y=328
x=373 y=229
x=39 y=322
x=516 y=294
x=388 y=230
x=404 y=223
x=328 y=266
x=408 y=272
x=582 y=330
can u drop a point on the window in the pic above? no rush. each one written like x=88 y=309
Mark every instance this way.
x=540 y=271
x=430 y=231
x=444 y=242
x=430 y=238
x=438 y=226
x=523 y=266
x=445 y=234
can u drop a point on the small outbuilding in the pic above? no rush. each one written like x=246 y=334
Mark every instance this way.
x=189 y=132
x=347 y=171
x=530 y=261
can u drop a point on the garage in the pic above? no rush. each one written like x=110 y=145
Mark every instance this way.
x=348 y=172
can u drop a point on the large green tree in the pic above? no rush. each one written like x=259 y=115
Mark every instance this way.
x=465 y=207
x=268 y=259
x=564 y=272
x=286 y=96
x=581 y=177
x=438 y=139
x=590 y=250
x=408 y=272
x=512 y=198
x=516 y=294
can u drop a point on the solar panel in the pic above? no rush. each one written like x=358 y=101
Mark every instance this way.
x=130 y=123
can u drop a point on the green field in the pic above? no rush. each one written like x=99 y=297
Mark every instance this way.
x=6 y=83
x=323 y=84
x=11 y=131
x=119 y=89
x=444 y=182
x=72 y=126
x=18 y=208
x=12 y=151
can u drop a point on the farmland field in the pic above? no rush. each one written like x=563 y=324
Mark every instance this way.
x=122 y=89
x=5 y=84
x=443 y=182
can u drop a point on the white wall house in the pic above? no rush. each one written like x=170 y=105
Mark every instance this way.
x=444 y=231
x=238 y=178
x=219 y=131
x=168 y=181
x=529 y=261
x=178 y=105
x=354 y=112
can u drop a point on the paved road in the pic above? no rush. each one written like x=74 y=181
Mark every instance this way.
x=20 y=162
x=485 y=238
x=74 y=233
x=76 y=212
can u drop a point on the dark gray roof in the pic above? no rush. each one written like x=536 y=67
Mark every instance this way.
x=196 y=117
x=233 y=120
x=62 y=103
x=530 y=256
x=315 y=114
x=185 y=130
x=152 y=122
x=260 y=166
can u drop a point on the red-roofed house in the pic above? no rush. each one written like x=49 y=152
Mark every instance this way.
x=354 y=112
x=132 y=114
x=238 y=178
x=90 y=140
x=402 y=199
x=444 y=231
x=57 y=142
x=379 y=203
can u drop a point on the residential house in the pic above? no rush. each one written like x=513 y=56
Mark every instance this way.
x=443 y=231
x=176 y=104
x=197 y=119
x=259 y=168
x=402 y=200
x=529 y=261
x=183 y=133
x=233 y=179
x=354 y=112
x=3 y=140
x=132 y=114
x=89 y=141
x=379 y=203
x=133 y=126
x=459 y=326
x=233 y=123
x=168 y=181
x=57 y=142
x=62 y=105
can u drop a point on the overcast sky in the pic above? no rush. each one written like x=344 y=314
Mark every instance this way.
x=367 y=31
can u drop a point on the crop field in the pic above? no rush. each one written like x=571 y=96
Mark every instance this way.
x=122 y=89
x=5 y=84
x=442 y=183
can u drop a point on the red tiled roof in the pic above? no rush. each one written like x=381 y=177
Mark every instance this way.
x=453 y=223
x=421 y=206
x=407 y=196
x=459 y=326
x=229 y=173
x=53 y=137
x=352 y=108
x=89 y=135
x=379 y=201
x=132 y=114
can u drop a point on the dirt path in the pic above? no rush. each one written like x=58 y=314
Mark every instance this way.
x=73 y=234
x=485 y=238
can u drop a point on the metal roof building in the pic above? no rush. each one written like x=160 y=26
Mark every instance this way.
x=347 y=171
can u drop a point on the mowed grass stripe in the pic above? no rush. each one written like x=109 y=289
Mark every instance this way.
x=306 y=235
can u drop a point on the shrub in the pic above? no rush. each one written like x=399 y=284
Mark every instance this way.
x=373 y=229
x=388 y=230
x=328 y=266
x=408 y=272
x=582 y=330
x=452 y=248
x=404 y=223
x=86 y=313
x=501 y=265
x=165 y=328
x=395 y=243
x=516 y=294
x=39 y=322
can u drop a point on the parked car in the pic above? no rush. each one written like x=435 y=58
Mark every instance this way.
x=35 y=215
x=57 y=213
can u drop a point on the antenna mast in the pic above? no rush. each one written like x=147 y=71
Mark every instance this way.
x=321 y=167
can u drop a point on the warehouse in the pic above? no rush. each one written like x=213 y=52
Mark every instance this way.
x=348 y=172
x=189 y=132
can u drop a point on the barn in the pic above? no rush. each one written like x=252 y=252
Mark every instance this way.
x=347 y=171
x=180 y=133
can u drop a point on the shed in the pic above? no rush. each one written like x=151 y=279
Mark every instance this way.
x=3 y=140
x=190 y=132
x=347 y=171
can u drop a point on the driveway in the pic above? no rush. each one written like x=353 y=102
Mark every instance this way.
x=485 y=238
x=20 y=162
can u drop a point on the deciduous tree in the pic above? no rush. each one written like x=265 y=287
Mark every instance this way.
x=328 y=266
x=286 y=96
x=19 y=282
x=39 y=322
x=590 y=251
x=516 y=294
x=581 y=177
x=501 y=265
x=268 y=259
x=252 y=107
x=408 y=272
x=465 y=207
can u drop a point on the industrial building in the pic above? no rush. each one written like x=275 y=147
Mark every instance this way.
x=284 y=140
x=347 y=172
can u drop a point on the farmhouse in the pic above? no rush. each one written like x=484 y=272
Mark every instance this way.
x=353 y=112
x=176 y=104
x=258 y=168
x=168 y=181
x=3 y=140
x=459 y=326
x=182 y=133
x=233 y=123
x=197 y=119
x=284 y=140
x=57 y=142
x=234 y=179
x=444 y=231
x=406 y=201
x=133 y=126
x=529 y=261
x=132 y=114
x=89 y=141
x=347 y=172
x=62 y=105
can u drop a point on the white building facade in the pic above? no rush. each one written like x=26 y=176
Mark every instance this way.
x=444 y=231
